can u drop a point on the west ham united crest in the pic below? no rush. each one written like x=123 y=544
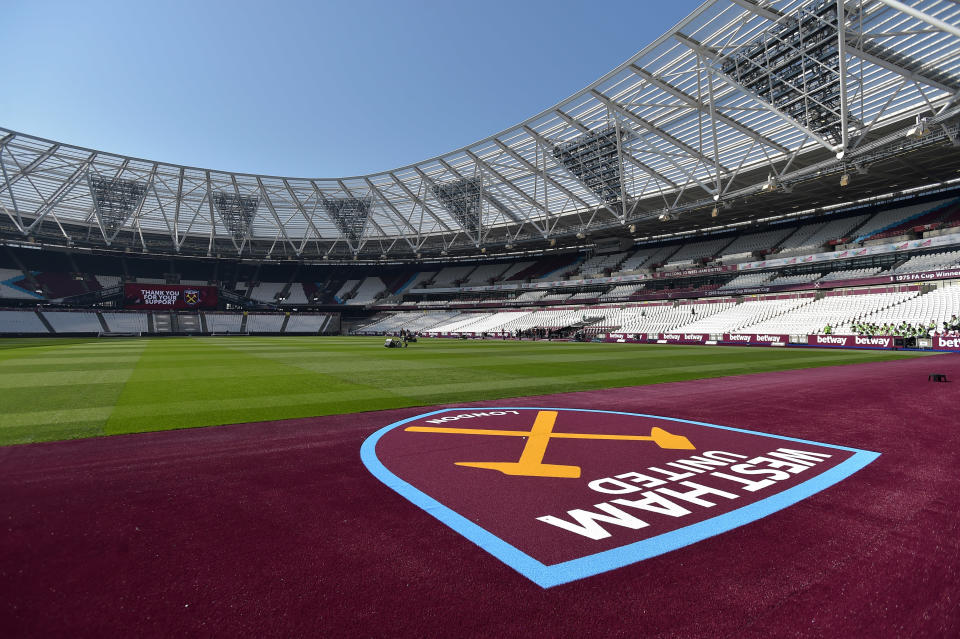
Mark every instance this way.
x=561 y=494
x=191 y=296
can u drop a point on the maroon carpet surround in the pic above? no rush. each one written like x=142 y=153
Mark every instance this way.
x=278 y=529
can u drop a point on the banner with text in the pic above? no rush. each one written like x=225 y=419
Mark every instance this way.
x=765 y=339
x=169 y=296
x=861 y=341
x=947 y=343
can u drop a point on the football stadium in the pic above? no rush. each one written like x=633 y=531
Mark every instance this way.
x=675 y=357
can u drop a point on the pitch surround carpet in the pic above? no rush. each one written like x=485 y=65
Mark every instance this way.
x=279 y=529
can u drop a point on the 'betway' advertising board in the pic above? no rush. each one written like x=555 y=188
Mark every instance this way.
x=626 y=338
x=168 y=296
x=683 y=338
x=946 y=343
x=762 y=339
x=861 y=341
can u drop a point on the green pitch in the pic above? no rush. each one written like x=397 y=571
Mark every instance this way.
x=68 y=388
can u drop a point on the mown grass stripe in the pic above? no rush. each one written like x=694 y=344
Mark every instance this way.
x=53 y=388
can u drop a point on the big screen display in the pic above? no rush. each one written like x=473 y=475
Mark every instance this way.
x=169 y=296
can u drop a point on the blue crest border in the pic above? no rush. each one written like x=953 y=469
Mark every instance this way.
x=589 y=565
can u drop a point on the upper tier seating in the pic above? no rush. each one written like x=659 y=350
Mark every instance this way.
x=530 y=296
x=368 y=291
x=930 y=262
x=694 y=250
x=597 y=264
x=515 y=269
x=748 y=279
x=450 y=275
x=418 y=280
x=755 y=242
x=485 y=273
x=622 y=291
x=108 y=281
x=345 y=289
x=14 y=286
x=851 y=273
x=811 y=237
x=267 y=291
x=894 y=217
x=787 y=280
x=296 y=294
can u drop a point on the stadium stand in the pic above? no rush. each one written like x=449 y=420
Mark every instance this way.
x=530 y=296
x=753 y=242
x=296 y=294
x=930 y=262
x=514 y=269
x=648 y=257
x=21 y=322
x=451 y=276
x=267 y=291
x=485 y=274
x=658 y=319
x=621 y=291
x=850 y=274
x=598 y=264
x=747 y=280
x=262 y=323
x=13 y=285
x=368 y=290
x=345 y=291
x=746 y=314
x=73 y=321
x=306 y=323
x=804 y=278
x=834 y=309
x=936 y=306
x=691 y=251
x=126 y=322
x=893 y=218
x=224 y=322
x=812 y=237
x=108 y=281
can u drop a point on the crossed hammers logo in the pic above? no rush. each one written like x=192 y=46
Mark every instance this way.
x=538 y=437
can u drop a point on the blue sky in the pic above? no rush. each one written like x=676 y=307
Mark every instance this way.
x=311 y=89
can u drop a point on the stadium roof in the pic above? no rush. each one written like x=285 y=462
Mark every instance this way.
x=727 y=113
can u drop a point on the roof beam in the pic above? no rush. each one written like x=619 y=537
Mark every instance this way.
x=421 y=201
x=634 y=161
x=707 y=52
x=853 y=48
x=521 y=192
x=920 y=15
x=696 y=104
x=530 y=167
x=652 y=128
x=30 y=167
